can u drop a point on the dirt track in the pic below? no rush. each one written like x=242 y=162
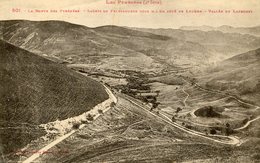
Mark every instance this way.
x=233 y=140
x=62 y=138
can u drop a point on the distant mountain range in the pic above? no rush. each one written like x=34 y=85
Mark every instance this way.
x=209 y=46
x=226 y=29
x=79 y=44
x=129 y=48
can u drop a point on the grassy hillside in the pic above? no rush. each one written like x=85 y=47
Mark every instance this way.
x=34 y=90
x=214 y=44
x=78 y=44
x=113 y=47
x=239 y=75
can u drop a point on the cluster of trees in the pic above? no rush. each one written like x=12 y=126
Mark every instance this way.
x=133 y=73
x=137 y=83
x=177 y=111
x=89 y=117
x=133 y=85
x=227 y=130
x=207 y=111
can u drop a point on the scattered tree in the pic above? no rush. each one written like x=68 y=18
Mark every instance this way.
x=227 y=125
x=173 y=119
x=157 y=92
x=100 y=111
x=228 y=129
x=178 y=109
x=84 y=121
x=90 y=117
x=213 y=132
x=112 y=104
x=206 y=131
x=75 y=125
x=245 y=121
x=155 y=105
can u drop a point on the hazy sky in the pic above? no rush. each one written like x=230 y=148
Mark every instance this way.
x=151 y=20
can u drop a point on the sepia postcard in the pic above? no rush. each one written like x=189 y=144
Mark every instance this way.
x=108 y=81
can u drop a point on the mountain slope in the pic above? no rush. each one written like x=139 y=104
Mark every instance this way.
x=34 y=90
x=113 y=47
x=32 y=83
x=215 y=45
x=78 y=44
x=239 y=75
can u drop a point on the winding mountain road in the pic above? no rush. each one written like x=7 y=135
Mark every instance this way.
x=222 y=93
x=186 y=98
x=247 y=124
x=218 y=92
x=232 y=140
x=62 y=138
